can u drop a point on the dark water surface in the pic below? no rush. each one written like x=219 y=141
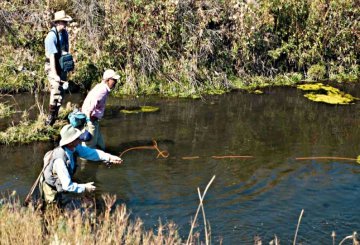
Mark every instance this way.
x=260 y=196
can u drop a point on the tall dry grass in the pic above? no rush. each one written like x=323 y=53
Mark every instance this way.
x=20 y=225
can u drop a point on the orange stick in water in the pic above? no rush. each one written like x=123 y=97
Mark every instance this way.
x=190 y=158
x=223 y=157
x=325 y=158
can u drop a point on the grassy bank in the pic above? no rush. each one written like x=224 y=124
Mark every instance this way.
x=27 y=130
x=185 y=48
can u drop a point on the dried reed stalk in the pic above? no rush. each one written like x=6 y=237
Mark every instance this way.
x=197 y=211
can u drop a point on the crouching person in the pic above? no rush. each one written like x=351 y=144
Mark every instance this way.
x=57 y=179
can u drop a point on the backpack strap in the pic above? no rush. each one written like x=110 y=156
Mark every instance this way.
x=58 y=44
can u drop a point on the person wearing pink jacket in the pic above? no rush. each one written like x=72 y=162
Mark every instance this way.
x=94 y=107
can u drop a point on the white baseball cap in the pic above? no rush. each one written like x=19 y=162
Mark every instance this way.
x=109 y=73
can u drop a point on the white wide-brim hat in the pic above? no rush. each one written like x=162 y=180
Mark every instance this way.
x=61 y=16
x=68 y=134
x=109 y=73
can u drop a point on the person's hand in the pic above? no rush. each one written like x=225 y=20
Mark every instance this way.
x=89 y=187
x=115 y=159
x=65 y=85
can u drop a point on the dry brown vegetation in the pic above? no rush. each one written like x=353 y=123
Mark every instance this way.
x=20 y=225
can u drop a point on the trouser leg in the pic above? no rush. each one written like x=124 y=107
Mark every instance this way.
x=100 y=140
x=52 y=116
x=56 y=96
x=97 y=140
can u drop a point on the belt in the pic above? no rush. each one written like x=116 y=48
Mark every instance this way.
x=94 y=119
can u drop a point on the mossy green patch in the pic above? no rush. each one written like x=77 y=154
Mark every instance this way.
x=140 y=109
x=5 y=110
x=28 y=131
x=257 y=91
x=149 y=108
x=326 y=94
x=329 y=99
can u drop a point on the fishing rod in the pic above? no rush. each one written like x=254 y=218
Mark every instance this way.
x=28 y=197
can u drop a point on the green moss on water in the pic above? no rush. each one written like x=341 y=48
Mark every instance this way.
x=149 y=108
x=334 y=99
x=140 y=109
x=257 y=91
x=326 y=94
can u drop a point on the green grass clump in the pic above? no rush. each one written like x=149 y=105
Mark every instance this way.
x=253 y=83
x=316 y=72
x=5 y=110
x=28 y=131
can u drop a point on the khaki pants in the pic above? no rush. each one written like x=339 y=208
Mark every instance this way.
x=56 y=90
x=97 y=139
x=48 y=193
x=61 y=199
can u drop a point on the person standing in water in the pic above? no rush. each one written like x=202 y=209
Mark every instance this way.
x=56 y=45
x=94 y=107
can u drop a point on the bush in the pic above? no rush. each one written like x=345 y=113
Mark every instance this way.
x=316 y=72
x=184 y=47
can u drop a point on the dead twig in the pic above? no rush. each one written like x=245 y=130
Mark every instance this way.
x=198 y=209
x=297 y=228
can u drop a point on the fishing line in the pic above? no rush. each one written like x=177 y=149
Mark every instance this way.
x=163 y=154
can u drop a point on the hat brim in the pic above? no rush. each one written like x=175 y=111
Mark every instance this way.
x=66 y=19
x=116 y=77
x=71 y=139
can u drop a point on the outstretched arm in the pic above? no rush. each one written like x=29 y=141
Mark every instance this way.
x=96 y=155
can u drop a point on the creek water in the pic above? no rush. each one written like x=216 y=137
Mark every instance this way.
x=260 y=196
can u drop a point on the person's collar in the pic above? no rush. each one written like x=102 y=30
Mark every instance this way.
x=107 y=86
x=68 y=150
